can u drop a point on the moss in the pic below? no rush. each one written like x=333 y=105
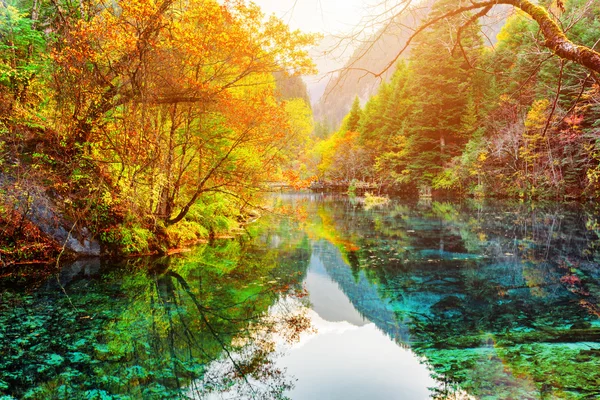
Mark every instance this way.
x=185 y=231
x=126 y=240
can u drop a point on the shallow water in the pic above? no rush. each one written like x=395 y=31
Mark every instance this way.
x=412 y=300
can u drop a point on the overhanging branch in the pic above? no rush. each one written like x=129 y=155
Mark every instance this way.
x=554 y=37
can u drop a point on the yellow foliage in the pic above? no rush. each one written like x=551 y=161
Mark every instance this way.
x=537 y=115
x=482 y=156
x=193 y=108
x=533 y=137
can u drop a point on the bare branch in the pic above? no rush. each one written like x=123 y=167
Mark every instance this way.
x=554 y=36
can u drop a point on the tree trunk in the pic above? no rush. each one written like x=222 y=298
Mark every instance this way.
x=555 y=37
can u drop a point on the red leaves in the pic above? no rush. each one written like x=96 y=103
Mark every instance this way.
x=574 y=120
x=571 y=280
x=572 y=132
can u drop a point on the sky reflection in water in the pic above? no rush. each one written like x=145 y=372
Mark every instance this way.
x=497 y=300
x=349 y=357
x=410 y=301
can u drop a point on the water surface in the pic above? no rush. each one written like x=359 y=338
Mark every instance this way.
x=412 y=300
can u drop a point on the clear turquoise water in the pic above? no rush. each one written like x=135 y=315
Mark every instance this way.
x=412 y=300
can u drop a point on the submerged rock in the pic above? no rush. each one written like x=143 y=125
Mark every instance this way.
x=581 y=325
x=447 y=303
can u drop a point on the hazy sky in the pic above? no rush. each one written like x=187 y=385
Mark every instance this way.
x=326 y=16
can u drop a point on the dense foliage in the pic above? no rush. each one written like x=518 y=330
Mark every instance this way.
x=151 y=124
x=459 y=116
x=146 y=119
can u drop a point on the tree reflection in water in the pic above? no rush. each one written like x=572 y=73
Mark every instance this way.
x=498 y=300
x=131 y=334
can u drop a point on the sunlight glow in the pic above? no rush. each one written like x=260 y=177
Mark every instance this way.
x=324 y=16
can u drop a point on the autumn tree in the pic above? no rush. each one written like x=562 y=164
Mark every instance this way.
x=538 y=133
x=176 y=100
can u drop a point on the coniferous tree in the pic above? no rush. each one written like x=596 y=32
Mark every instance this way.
x=352 y=121
x=442 y=81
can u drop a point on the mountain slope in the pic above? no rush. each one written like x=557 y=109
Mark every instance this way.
x=357 y=77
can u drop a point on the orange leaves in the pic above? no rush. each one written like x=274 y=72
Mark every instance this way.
x=574 y=120
x=76 y=48
x=294 y=180
x=139 y=10
x=572 y=132
x=180 y=95
x=196 y=46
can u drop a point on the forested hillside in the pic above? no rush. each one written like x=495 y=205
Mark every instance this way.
x=459 y=116
x=141 y=124
x=366 y=70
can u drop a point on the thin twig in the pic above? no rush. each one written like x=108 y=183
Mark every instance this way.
x=57 y=265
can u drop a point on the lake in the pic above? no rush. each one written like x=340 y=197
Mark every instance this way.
x=325 y=299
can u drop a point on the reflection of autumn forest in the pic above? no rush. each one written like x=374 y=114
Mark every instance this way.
x=161 y=329
x=501 y=299
x=144 y=125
